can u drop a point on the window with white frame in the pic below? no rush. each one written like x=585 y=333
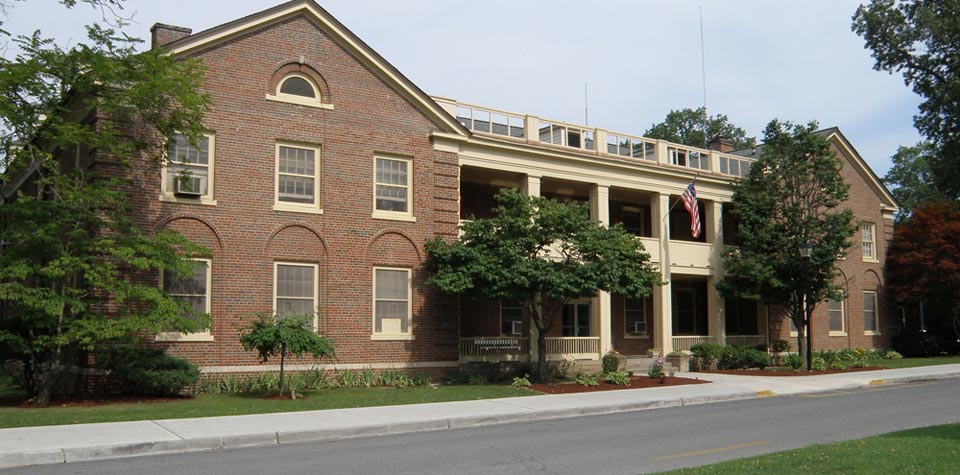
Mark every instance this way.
x=871 y=323
x=392 y=187
x=511 y=318
x=193 y=291
x=835 y=310
x=298 y=177
x=301 y=89
x=868 y=234
x=188 y=172
x=295 y=289
x=635 y=316
x=391 y=302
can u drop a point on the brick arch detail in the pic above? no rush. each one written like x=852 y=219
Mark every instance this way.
x=285 y=68
x=316 y=232
x=871 y=280
x=194 y=217
x=399 y=232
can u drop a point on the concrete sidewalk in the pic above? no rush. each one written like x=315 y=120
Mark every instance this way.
x=73 y=443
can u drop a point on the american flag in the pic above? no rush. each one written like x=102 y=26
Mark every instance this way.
x=689 y=199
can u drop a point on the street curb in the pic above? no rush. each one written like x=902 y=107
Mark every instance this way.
x=102 y=452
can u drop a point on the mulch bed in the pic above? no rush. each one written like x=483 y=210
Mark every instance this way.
x=782 y=372
x=97 y=401
x=636 y=382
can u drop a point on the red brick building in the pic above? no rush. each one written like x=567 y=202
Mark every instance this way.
x=324 y=171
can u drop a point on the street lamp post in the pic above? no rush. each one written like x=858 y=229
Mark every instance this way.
x=806 y=250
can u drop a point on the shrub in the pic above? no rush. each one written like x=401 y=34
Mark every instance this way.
x=890 y=355
x=521 y=381
x=819 y=364
x=148 y=371
x=478 y=379
x=588 y=380
x=611 y=362
x=706 y=354
x=777 y=347
x=794 y=361
x=917 y=343
x=617 y=377
x=753 y=358
x=836 y=365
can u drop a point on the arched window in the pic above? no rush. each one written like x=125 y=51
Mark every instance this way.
x=297 y=85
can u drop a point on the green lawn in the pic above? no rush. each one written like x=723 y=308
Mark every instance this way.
x=919 y=451
x=914 y=362
x=206 y=405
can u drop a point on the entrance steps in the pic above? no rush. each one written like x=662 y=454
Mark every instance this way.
x=640 y=365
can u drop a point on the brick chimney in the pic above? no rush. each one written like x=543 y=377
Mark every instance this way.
x=721 y=144
x=161 y=35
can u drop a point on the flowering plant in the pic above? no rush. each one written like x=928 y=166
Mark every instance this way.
x=656 y=369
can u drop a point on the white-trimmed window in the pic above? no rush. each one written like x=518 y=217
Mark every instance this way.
x=871 y=322
x=298 y=178
x=299 y=88
x=511 y=318
x=295 y=289
x=868 y=239
x=635 y=317
x=836 y=313
x=193 y=290
x=391 y=304
x=188 y=172
x=393 y=188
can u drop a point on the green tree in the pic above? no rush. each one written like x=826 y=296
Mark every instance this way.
x=75 y=270
x=791 y=196
x=542 y=254
x=284 y=336
x=685 y=126
x=921 y=40
x=910 y=178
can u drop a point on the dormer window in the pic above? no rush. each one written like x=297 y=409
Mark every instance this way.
x=299 y=84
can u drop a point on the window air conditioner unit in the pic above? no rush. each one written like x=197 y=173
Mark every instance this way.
x=192 y=186
x=516 y=327
x=637 y=327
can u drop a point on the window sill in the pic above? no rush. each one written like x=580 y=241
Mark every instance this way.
x=833 y=333
x=871 y=333
x=393 y=216
x=173 y=336
x=298 y=101
x=388 y=337
x=204 y=200
x=636 y=337
x=794 y=334
x=311 y=209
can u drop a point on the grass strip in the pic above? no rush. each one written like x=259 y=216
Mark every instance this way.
x=207 y=405
x=934 y=449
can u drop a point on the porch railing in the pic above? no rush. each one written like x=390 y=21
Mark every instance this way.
x=746 y=340
x=495 y=348
x=578 y=347
x=683 y=343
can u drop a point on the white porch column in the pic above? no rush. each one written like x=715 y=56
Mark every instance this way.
x=531 y=187
x=716 y=320
x=600 y=212
x=663 y=302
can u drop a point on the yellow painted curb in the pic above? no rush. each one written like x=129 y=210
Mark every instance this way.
x=766 y=393
x=876 y=382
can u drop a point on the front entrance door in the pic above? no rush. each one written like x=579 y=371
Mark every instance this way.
x=576 y=319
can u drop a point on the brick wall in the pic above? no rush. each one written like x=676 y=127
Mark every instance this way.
x=247 y=236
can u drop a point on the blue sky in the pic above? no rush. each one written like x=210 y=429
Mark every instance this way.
x=795 y=61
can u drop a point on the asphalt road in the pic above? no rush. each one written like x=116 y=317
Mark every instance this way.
x=626 y=443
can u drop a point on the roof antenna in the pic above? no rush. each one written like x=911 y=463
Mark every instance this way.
x=703 y=69
x=586 y=114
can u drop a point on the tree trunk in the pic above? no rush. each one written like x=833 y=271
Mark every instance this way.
x=283 y=353
x=801 y=343
x=541 y=355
